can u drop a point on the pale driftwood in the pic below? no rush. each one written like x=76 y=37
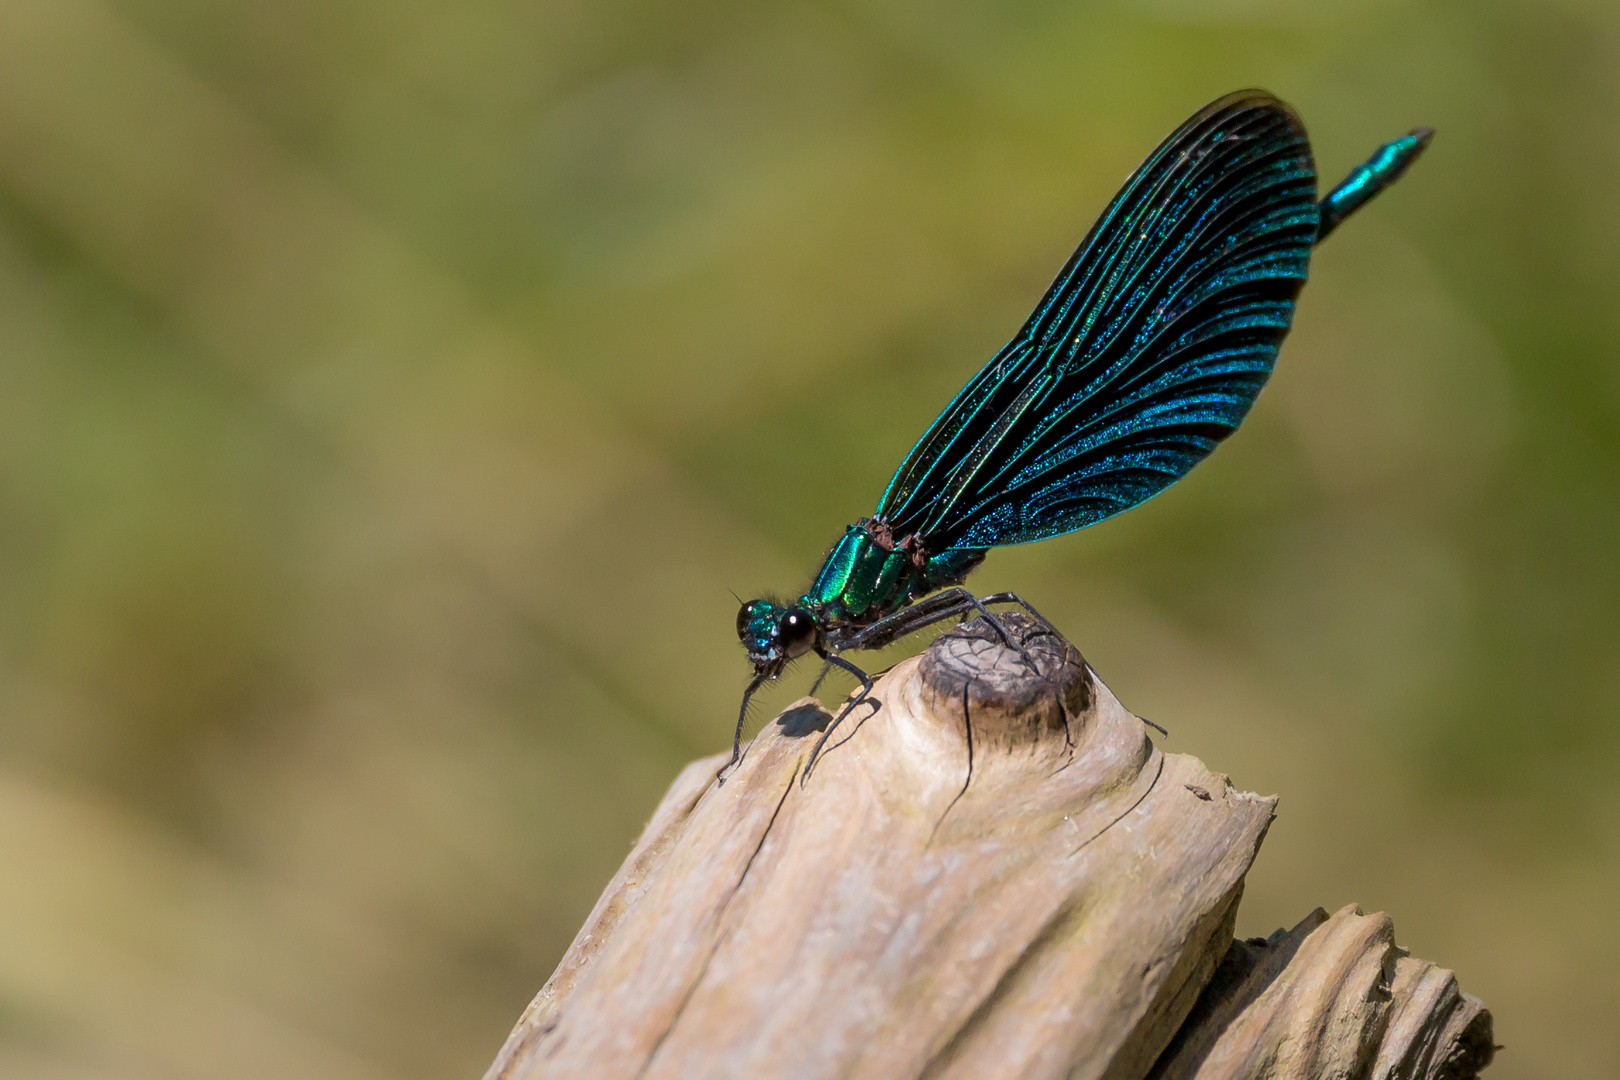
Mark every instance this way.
x=1067 y=913
x=1333 y=997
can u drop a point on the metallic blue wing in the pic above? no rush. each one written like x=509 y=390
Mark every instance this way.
x=1147 y=350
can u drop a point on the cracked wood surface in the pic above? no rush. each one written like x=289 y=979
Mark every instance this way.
x=1057 y=913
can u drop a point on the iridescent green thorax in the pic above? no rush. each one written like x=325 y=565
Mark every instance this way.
x=867 y=575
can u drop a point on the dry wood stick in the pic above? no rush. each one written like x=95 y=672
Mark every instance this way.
x=1057 y=912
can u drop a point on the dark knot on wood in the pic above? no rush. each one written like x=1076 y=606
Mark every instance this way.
x=1012 y=696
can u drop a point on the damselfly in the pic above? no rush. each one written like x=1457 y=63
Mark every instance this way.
x=1146 y=351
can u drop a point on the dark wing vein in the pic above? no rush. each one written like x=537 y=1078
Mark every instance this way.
x=1146 y=351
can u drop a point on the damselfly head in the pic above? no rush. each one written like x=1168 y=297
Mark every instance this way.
x=774 y=635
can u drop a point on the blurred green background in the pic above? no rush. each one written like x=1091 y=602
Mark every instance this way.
x=391 y=394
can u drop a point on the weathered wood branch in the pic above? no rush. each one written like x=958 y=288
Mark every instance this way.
x=994 y=873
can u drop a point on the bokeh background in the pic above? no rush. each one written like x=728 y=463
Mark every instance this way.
x=392 y=393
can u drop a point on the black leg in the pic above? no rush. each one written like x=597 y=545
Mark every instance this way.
x=967 y=724
x=1014 y=598
x=742 y=717
x=826 y=666
x=976 y=604
x=834 y=660
x=866 y=689
x=908 y=620
x=945 y=604
x=1068 y=734
x=1006 y=635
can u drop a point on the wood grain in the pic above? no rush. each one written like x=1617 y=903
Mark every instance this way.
x=1056 y=910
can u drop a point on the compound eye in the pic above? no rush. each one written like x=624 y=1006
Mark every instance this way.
x=796 y=631
x=745 y=616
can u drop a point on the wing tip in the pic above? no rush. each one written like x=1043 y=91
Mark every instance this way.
x=1252 y=97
